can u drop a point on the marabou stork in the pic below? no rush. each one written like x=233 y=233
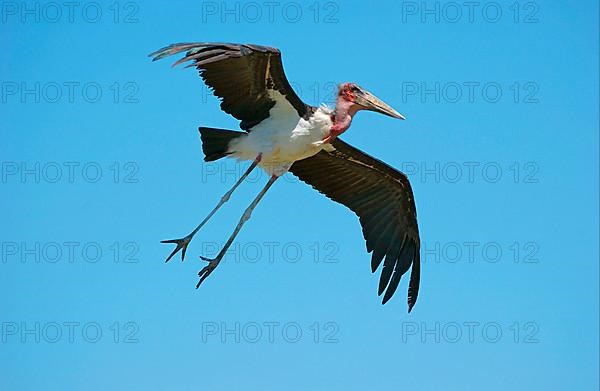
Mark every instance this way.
x=282 y=134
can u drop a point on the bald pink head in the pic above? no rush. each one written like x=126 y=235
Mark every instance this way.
x=361 y=99
x=351 y=99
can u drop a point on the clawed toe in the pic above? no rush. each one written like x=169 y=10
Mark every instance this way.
x=181 y=244
x=206 y=270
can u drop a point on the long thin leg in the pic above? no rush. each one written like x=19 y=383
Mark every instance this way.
x=212 y=263
x=183 y=242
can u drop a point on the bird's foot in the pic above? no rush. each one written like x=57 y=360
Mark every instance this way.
x=318 y=143
x=205 y=272
x=181 y=244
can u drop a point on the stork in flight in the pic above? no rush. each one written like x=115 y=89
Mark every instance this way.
x=283 y=134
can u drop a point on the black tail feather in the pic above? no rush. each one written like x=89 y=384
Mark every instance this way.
x=215 y=142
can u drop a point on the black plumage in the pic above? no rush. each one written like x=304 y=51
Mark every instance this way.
x=242 y=76
x=382 y=198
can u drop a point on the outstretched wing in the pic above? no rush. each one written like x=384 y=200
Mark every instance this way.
x=383 y=200
x=245 y=77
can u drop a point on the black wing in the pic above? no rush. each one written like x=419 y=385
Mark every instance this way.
x=383 y=200
x=243 y=76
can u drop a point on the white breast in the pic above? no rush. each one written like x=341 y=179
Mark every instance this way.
x=283 y=137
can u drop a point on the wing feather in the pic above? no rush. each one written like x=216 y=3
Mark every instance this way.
x=382 y=198
x=243 y=76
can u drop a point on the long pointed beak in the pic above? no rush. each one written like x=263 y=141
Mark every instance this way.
x=371 y=102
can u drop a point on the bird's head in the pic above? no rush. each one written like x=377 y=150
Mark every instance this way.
x=360 y=99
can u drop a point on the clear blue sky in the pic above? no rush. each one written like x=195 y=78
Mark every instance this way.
x=101 y=160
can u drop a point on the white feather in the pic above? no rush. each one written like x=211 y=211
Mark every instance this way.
x=283 y=137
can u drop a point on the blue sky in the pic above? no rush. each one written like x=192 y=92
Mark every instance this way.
x=101 y=160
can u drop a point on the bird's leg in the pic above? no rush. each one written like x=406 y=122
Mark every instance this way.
x=212 y=263
x=181 y=244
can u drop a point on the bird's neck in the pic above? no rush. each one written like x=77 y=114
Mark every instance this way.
x=342 y=117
